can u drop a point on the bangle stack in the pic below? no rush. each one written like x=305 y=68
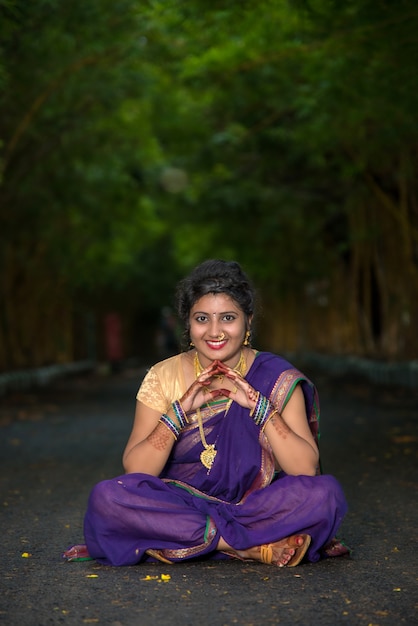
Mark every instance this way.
x=180 y=414
x=172 y=427
x=262 y=411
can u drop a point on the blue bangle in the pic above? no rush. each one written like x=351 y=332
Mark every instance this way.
x=179 y=413
x=262 y=409
x=164 y=419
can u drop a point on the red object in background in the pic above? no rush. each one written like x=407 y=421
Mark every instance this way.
x=113 y=337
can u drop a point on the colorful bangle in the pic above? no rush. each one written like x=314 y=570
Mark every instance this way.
x=180 y=413
x=164 y=419
x=262 y=409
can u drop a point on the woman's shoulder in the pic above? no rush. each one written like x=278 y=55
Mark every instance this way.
x=168 y=375
x=279 y=367
x=163 y=383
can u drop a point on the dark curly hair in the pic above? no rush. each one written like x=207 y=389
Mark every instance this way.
x=214 y=276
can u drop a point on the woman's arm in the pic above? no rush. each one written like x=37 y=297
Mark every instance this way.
x=288 y=433
x=150 y=442
x=291 y=439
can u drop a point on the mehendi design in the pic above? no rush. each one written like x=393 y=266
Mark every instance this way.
x=160 y=438
x=252 y=394
x=280 y=425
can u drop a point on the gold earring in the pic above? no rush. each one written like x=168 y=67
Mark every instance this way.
x=247 y=338
x=191 y=344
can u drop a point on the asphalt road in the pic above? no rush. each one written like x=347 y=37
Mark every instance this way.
x=57 y=442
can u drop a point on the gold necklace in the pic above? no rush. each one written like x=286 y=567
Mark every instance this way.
x=209 y=453
x=240 y=367
x=207 y=456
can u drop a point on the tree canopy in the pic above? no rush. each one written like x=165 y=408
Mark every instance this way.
x=139 y=138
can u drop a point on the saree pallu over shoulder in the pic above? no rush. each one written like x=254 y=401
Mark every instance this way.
x=284 y=378
x=244 y=461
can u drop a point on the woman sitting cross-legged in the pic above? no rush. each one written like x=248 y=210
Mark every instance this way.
x=222 y=460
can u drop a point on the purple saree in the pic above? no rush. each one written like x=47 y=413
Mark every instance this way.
x=183 y=513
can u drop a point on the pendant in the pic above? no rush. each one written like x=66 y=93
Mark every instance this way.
x=207 y=457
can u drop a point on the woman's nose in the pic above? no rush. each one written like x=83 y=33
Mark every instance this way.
x=215 y=330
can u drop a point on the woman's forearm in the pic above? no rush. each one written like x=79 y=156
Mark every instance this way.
x=150 y=455
x=295 y=455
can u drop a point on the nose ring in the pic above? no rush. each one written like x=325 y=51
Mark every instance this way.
x=221 y=336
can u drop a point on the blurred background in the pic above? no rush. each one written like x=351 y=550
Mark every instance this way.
x=138 y=138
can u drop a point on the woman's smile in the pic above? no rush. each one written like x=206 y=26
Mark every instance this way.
x=216 y=345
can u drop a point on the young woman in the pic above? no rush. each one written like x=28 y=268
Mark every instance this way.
x=222 y=460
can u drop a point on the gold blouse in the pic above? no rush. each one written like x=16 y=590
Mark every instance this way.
x=163 y=383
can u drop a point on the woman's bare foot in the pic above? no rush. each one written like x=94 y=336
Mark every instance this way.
x=289 y=551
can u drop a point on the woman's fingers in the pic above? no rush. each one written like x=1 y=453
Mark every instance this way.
x=200 y=391
x=221 y=393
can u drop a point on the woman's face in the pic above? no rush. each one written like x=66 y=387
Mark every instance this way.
x=217 y=328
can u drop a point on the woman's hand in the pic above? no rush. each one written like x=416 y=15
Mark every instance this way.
x=242 y=392
x=199 y=391
x=288 y=433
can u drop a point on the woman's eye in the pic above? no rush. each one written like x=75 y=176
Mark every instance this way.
x=201 y=318
x=229 y=318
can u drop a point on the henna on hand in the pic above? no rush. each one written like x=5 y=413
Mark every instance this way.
x=188 y=398
x=221 y=368
x=243 y=392
x=252 y=394
x=239 y=380
x=220 y=393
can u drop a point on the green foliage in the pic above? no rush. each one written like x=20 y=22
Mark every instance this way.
x=60 y=126
x=139 y=138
